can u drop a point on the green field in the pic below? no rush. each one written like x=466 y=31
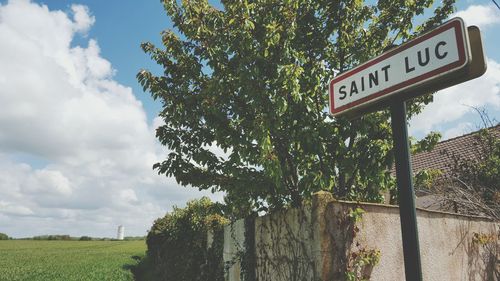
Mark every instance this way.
x=68 y=260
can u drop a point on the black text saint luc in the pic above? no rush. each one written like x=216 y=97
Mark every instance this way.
x=365 y=82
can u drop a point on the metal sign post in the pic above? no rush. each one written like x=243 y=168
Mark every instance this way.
x=448 y=55
x=407 y=210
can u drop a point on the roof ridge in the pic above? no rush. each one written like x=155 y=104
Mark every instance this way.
x=468 y=134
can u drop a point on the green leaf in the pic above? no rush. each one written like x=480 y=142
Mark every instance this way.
x=252 y=79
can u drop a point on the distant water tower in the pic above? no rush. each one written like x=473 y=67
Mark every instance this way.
x=121 y=232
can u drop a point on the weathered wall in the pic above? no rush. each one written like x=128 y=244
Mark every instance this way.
x=448 y=247
x=234 y=237
x=286 y=248
x=329 y=240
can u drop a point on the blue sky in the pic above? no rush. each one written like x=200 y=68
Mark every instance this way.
x=121 y=26
x=77 y=132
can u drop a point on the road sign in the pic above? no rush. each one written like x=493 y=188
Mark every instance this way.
x=443 y=57
x=433 y=56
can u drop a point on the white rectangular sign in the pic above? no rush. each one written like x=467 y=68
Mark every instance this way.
x=436 y=53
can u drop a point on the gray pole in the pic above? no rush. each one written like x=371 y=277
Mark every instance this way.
x=407 y=211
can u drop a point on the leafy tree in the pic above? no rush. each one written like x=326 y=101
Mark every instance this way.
x=251 y=78
x=4 y=236
x=425 y=144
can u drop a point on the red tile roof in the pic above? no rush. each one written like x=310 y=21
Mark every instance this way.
x=438 y=157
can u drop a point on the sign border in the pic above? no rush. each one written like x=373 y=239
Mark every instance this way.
x=464 y=59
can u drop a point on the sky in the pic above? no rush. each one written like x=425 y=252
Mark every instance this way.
x=77 y=140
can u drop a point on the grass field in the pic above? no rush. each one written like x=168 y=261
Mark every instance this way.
x=68 y=260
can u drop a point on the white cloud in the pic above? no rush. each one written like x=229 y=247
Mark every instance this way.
x=47 y=182
x=452 y=110
x=10 y=209
x=127 y=195
x=60 y=103
x=481 y=15
x=82 y=18
x=453 y=103
x=459 y=130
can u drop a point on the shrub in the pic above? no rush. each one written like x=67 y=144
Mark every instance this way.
x=178 y=247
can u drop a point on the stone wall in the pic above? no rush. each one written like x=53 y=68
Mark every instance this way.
x=331 y=240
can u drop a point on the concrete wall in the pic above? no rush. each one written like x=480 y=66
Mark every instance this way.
x=448 y=247
x=286 y=246
x=234 y=238
x=327 y=240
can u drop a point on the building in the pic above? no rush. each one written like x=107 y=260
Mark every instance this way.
x=121 y=232
x=440 y=158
